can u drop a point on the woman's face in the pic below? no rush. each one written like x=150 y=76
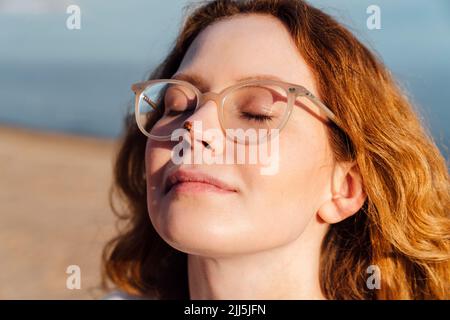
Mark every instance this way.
x=265 y=211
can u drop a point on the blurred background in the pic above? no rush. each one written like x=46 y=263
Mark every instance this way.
x=64 y=93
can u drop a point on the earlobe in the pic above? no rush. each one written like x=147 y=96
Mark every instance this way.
x=347 y=195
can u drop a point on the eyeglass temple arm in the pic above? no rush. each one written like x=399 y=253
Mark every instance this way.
x=137 y=88
x=151 y=103
x=322 y=106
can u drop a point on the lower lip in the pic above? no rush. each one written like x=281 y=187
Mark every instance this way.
x=196 y=187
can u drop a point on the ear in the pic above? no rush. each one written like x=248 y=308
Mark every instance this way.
x=347 y=195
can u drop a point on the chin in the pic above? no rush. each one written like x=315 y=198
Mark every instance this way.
x=195 y=231
x=200 y=228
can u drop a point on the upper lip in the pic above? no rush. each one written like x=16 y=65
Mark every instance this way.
x=183 y=175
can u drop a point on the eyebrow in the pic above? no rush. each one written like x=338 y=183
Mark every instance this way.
x=201 y=83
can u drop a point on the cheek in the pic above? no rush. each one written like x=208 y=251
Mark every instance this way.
x=284 y=203
x=303 y=167
x=305 y=156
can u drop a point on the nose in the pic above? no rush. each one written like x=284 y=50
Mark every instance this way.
x=205 y=118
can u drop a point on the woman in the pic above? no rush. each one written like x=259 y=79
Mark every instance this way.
x=356 y=207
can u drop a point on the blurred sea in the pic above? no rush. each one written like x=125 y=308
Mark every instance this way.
x=88 y=99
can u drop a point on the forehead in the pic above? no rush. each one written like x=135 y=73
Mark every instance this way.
x=246 y=45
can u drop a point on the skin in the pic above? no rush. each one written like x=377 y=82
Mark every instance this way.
x=263 y=241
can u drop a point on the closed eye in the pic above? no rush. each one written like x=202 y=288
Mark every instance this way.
x=255 y=117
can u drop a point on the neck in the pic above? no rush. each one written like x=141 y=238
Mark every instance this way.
x=286 y=272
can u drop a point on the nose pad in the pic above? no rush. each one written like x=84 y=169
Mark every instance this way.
x=209 y=96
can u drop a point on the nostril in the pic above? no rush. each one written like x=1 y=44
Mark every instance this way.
x=188 y=126
x=206 y=144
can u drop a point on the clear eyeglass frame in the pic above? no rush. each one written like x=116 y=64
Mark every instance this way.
x=292 y=92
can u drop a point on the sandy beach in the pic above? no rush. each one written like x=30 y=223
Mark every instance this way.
x=54 y=212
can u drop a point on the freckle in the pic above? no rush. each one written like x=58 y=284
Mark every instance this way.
x=187 y=125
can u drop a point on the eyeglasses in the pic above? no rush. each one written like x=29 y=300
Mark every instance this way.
x=163 y=105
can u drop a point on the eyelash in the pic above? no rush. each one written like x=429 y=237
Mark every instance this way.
x=256 y=117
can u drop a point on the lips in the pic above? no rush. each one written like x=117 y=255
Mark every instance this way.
x=182 y=175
